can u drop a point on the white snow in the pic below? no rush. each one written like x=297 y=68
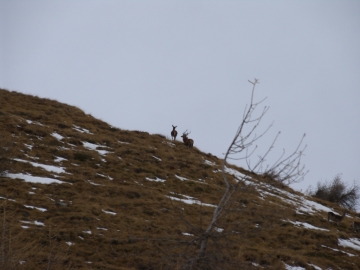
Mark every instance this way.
x=289 y=267
x=103 y=175
x=38 y=223
x=316 y=267
x=238 y=175
x=95 y=184
x=92 y=146
x=33 y=179
x=108 y=212
x=208 y=162
x=181 y=178
x=88 y=232
x=353 y=243
x=187 y=234
x=155 y=180
x=70 y=243
x=334 y=249
x=305 y=225
x=59 y=159
x=49 y=168
x=159 y=159
x=37 y=208
x=57 y=136
x=169 y=143
x=189 y=200
x=103 y=152
x=28 y=146
x=82 y=130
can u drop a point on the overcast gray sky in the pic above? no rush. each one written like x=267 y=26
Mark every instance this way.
x=147 y=65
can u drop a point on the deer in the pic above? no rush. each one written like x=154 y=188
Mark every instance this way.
x=173 y=133
x=336 y=218
x=355 y=226
x=188 y=142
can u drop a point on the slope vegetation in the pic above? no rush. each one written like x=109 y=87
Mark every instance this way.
x=77 y=193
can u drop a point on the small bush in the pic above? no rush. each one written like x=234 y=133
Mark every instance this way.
x=339 y=192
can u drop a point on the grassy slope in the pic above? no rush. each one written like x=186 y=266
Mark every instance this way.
x=147 y=231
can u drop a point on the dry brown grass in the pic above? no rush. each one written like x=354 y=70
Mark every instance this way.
x=147 y=231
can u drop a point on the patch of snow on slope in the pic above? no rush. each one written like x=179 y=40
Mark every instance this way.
x=316 y=267
x=289 y=267
x=95 y=184
x=82 y=130
x=238 y=175
x=28 y=146
x=155 y=180
x=33 y=179
x=57 y=136
x=189 y=200
x=49 y=168
x=169 y=143
x=353 y=243
x=208 y=162
x=305 y=225
x=302 y=204
x=180 y=178
x=108 y=212
x=159 y=159
x=334 y=249
x=37 y=208
x=37 y=223
x=59 y=159
x=92 y=146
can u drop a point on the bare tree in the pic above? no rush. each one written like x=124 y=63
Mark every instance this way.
x=5 y=150
x=286 y=169
x=14 y=249
x=339 y=192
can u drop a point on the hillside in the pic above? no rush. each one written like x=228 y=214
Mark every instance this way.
x=77 y=193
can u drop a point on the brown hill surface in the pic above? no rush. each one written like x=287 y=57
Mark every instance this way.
x=77 y=193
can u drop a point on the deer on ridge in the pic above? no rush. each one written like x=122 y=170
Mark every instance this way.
x=188 y=142
x=173 y=133
x=336 y=218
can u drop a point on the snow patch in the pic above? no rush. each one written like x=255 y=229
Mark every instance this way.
x=57 y=136
x=49 y=168
x=353 y=243
x=33 y=179
x=159 y=159
x=306 y=225
x=37 y=223
x=109 y=212
x=82 y=130
x=189 y=200
x=155 y=180
x=37 y=208
x=180 y=178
